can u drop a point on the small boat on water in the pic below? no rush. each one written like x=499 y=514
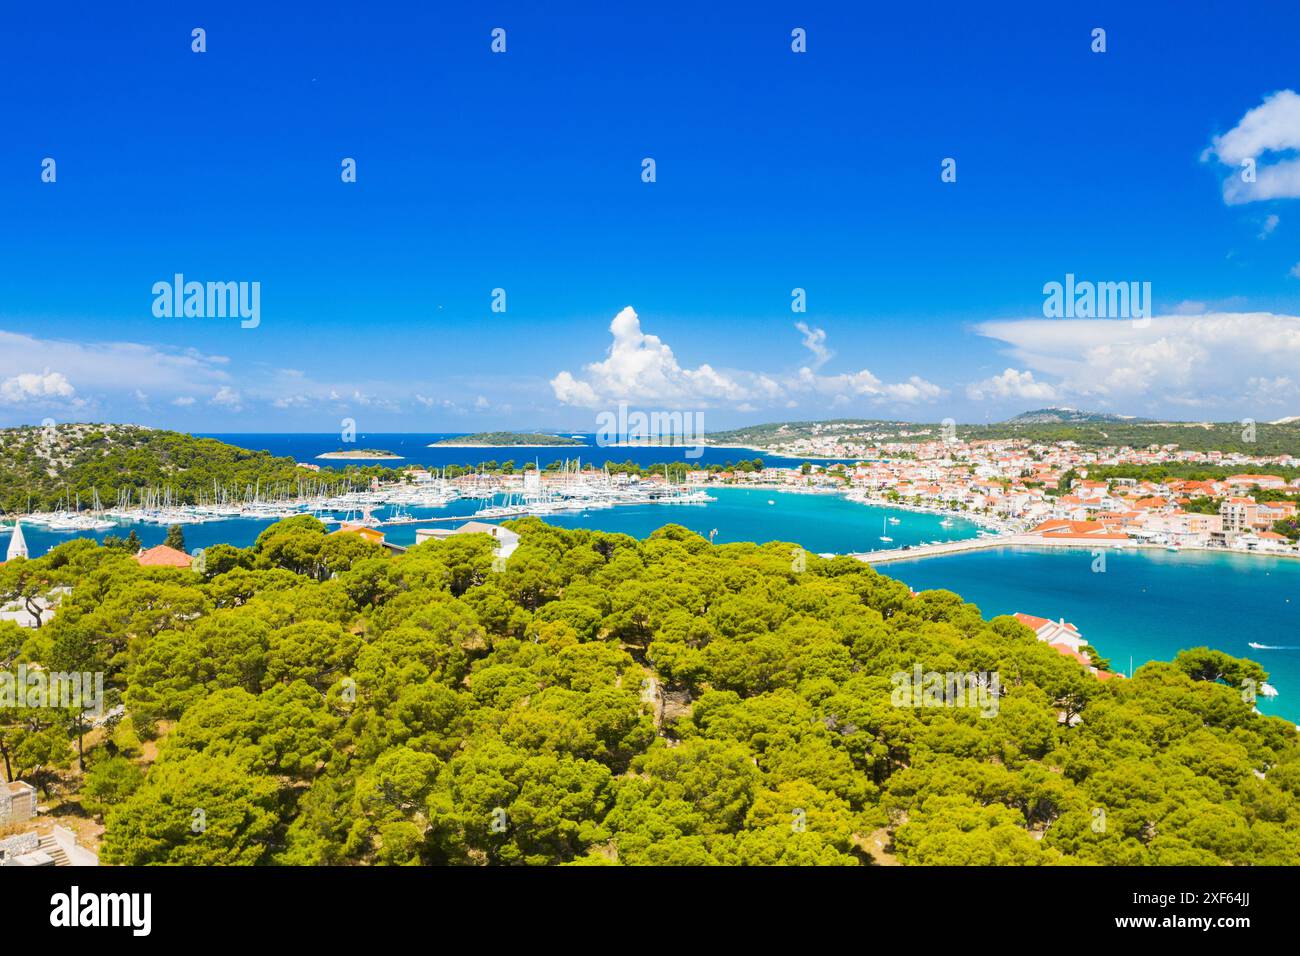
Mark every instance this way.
x=400 y=515
x=895 y=521
x=884 y=535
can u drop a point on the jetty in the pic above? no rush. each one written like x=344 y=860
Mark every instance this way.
x=948 y=547
x=1012 y=540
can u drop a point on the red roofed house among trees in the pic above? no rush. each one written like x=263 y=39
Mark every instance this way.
x=1062 y=637
x=162 y=556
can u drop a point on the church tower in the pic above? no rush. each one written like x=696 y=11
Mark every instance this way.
x=17 y=544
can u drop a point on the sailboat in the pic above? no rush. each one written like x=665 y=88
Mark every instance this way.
x=884 y=529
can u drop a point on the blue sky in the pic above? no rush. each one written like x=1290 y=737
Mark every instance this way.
x=523 y=171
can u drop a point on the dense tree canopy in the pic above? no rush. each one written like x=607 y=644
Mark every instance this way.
x=608 y=700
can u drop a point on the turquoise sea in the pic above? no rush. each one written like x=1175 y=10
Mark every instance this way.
x=1147 y=604
x=819 y=523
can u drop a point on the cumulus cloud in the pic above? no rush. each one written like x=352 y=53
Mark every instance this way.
x=1011 y=384
x=1272 y=127
x=640 y=368
x=1207 y=360
x=227 y=397
x=1270 y=223
x=30 y=387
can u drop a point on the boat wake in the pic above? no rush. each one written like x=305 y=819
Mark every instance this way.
x=1273 y=647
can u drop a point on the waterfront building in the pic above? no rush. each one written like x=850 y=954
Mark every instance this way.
x=1062 y=637
x=1239 y=514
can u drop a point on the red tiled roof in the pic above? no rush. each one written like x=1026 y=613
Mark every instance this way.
x=162 y=556
x=1030 y=621
x=1070 y=652
x=370 y=534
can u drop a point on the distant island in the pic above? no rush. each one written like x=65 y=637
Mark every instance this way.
x=369 y=454
x=507 y=439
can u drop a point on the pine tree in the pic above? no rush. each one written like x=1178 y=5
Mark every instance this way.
x=175 y=537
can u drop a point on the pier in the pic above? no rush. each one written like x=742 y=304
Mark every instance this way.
x=949 y=547
x=1006 y=541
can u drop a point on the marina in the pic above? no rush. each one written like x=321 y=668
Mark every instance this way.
x=1151 y=603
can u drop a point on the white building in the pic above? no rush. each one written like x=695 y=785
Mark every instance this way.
x=505 y=540
x=17 y=543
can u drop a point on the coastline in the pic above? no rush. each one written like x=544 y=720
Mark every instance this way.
x=774 y=452
x=1037 y=542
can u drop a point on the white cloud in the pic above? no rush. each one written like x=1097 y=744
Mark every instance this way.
x=1207 y=360
x=183 y=401
x=640 y=368
x=1279 y=390
x=1270 y=223
x=814 y=340
x=1271 y=127
x=1295 y=271
x=30 y=387
x=112 y=366
x=227 y=397
x=569 y=391
x=915 y=389
x=1011 y=384
x=374 y=401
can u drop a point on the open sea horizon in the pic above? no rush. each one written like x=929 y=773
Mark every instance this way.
x=413 y=447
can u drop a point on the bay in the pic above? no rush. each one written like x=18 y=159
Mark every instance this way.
x=1147 y=604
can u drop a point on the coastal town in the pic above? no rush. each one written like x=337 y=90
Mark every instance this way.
x=1047 y=490
x=1032 y=491
x=1056 y=493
